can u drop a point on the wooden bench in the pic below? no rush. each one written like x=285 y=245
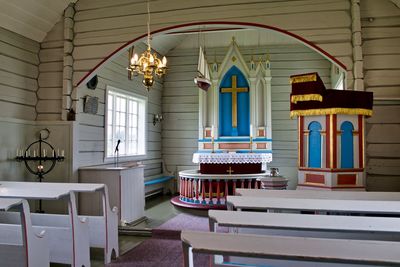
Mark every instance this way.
x=321 y=205
x=68 y=235
x=102 y=230
x=292 y=249
x=25 y=247
x=334 y=226
x=317 y=194
x=152 y=184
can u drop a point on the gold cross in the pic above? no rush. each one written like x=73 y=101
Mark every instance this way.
x=230 y=170
x=234 y=90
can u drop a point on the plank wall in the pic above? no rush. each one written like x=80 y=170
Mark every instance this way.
x=181 y=96
x=91 y=127
x=18 y=75
x=103 y=26
x=51 y=74
x=381 y=49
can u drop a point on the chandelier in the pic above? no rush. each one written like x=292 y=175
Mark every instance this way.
x=148 y=64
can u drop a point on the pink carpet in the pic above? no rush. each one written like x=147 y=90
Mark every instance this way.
x=165 y=247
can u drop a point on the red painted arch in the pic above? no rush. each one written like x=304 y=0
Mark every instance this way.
x=249 y=24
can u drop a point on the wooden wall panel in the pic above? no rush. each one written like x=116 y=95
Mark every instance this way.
x=102 y=27
x=51 y=74
x=18 y=76
x=381 y=50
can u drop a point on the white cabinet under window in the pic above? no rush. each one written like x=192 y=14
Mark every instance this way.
x=125 y=189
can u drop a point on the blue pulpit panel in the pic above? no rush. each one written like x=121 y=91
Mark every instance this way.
x=347 y=151
x=314 y=145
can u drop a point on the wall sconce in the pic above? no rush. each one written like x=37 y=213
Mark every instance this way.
x=157 y=118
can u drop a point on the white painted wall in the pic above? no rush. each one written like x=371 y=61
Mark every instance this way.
x=90 y=128
x=51 y=74
x=18 y=75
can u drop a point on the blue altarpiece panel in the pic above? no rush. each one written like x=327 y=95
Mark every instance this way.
x=314 y=145
x=346 y=149
x=225 y=105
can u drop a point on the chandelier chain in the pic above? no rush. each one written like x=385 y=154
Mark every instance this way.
x=148 y=24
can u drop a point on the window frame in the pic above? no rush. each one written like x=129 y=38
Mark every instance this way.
x=141 y=98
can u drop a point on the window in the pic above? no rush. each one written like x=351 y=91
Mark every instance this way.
x=125 y=121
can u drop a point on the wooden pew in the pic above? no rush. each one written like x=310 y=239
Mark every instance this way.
x=68 y=235
x=320 y=205
x=319 y=194
x=333 y=226
x=294 y=250
x=24 y=247
x=103 y=230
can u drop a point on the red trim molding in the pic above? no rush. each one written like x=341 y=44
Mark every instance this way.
x=331 y=170
x=334 y=140
x=328 y=143
x=237 y=23
x=301 y=141
x=360 y=142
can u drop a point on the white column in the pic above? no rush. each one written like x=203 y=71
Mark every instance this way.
x=267 y=103
x=253 y=94
x=215 y=107
x=202 y=112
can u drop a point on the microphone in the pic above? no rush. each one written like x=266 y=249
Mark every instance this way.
x=116 y=148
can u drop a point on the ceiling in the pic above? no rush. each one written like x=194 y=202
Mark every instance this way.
x=31 y=18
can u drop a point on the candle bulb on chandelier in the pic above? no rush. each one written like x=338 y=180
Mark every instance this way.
x=251 y=131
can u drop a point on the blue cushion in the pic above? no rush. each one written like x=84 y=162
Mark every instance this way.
x=158 y=180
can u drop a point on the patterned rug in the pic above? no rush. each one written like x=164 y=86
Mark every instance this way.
x=165 y=247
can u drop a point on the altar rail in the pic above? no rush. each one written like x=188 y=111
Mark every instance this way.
x=211 y=189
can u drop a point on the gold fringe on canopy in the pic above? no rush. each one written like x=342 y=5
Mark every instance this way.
x=308 y=97
x=326 y=111
x=304 y=78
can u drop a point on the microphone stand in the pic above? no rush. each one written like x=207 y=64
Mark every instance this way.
x=117 y=154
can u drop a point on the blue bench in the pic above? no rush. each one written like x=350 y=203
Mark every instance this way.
x=152 y=183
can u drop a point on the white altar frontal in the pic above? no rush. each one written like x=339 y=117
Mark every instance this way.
x=234 y=137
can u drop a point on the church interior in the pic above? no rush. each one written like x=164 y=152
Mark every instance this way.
x=200 y=133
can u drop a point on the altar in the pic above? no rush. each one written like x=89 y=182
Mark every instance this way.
x=234 y=136
x=205 y=190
